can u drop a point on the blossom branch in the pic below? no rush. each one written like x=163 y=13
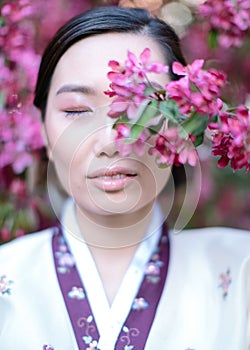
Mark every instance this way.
x=173 y=119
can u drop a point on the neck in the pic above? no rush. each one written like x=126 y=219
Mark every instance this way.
x=114 y=231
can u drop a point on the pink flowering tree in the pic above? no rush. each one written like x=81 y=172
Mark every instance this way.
x=226 y=21
x=22 y=39
x=223 y=40
x=168 y=121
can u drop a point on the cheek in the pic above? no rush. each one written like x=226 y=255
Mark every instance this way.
x=70 y=150
x=153 y=179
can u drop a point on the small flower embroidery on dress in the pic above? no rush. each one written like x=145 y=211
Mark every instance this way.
x=153 y=269
x=139 y=304
x=5 y=285
x=76 y=293
x=129 y=332
x=48 y=347
x=64 y=258
x=225 y=283
x=92 y=347
x=88 y=326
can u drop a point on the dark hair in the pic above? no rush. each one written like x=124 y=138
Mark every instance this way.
x=99 y=21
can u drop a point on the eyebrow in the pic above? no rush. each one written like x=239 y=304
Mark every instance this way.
x=87 y=90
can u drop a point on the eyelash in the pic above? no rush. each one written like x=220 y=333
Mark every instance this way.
x=76 y=113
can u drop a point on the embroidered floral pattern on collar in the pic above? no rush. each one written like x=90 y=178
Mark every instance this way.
x=80 y=313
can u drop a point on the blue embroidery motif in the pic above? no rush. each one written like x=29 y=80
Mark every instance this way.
x=5 y=285
x=225 y=283
x=139 y=304
x=64 y=257
x=76 y=293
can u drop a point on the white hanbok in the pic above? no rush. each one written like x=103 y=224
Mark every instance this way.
x=205 y=303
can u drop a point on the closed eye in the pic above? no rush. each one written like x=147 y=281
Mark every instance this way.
x=77 y=113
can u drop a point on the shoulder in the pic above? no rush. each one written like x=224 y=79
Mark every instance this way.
x=227 y=233
x=26 y=242
x=214 y=238
x=25 y=249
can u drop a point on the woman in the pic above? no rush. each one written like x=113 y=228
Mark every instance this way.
x=109 y=276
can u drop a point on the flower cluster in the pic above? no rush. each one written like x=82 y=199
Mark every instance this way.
x=171 y=119
x=228 y=20
x=20 y=135
x=19 y=123
x=231 y=139
x=198 y=90
x=129 y=82
x=171 y=149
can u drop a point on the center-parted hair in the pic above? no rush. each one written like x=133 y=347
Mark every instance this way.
x=103 y=20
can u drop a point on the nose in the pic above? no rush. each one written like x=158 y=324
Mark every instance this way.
x=105 y=143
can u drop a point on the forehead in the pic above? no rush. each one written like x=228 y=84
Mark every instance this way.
x=89 y=57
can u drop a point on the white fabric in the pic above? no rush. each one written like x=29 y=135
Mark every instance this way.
x=192 y=313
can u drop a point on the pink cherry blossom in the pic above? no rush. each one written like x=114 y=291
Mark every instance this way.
x=20 y=125
x=231 y=139
x=198 y=90
x=129 y=82
x=20 y=134
x=143 y=64
x=5 y=234
x=17 y=11
x=230 y=19
x=171 y=149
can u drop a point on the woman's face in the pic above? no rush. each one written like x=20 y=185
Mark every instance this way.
x=81 y=141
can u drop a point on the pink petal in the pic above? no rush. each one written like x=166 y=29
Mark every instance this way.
x=197 y=65
x=178 y=68
x=114 y=65
x=145 y=55
x=131 y=59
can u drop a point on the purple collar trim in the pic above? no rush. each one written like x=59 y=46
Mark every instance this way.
x=135 y=330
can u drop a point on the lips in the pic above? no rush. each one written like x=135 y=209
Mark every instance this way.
x=112 y=179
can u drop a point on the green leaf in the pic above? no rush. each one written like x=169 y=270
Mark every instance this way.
x=162 y=165
x=200 y=128
x=195 y=125
x=2 y=99
x=149 y=113
x=213 y=39
x=123 y=119
x=137 y=128
x=199 y=140
x=6 y=211
x=1 y=21
x=214 y=119
x=170 y=110
x=135 y=132
x=142 y=108
x=149 y=91
x=154 y=129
